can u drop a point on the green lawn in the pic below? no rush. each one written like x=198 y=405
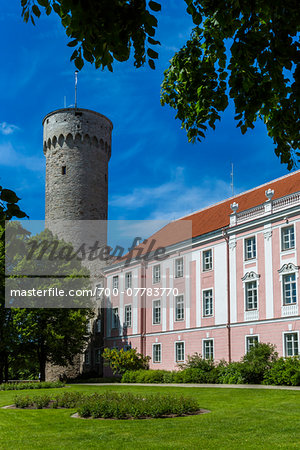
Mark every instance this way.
x=239 y=418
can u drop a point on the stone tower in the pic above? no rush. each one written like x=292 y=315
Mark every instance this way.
x=77 y=146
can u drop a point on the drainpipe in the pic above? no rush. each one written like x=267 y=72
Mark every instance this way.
x=143 y=309
x=228 y=325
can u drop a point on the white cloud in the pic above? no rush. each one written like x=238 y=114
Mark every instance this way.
x=6 y=128
x=9 y=157
x=175 y=198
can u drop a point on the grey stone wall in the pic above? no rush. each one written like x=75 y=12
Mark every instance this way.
x=77 y=146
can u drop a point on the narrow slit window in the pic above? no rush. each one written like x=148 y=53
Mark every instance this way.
x=63 y=170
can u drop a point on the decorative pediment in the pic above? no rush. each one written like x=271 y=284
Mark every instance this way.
x=288 y=268
x=250 y=276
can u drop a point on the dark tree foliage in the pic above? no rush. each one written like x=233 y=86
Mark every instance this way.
x=103 y=30
x=247 y=50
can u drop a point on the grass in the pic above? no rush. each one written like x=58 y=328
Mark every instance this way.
x=239 y=418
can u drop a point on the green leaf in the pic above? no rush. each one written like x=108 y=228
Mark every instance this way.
x=9 y=196
x=72 y=43
x=154 y=6
x=152 y=53
x=151 y=64
x=36 y=11
x=44 y=3
x=79 y=62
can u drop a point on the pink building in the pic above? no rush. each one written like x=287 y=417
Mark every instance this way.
x=236 y=282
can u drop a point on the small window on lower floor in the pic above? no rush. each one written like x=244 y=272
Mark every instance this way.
x=156 y=353
x=98 y=356
x=251 y=341
x=179 y=351
x=291 y=347
x=87 y=357
x=208 y=349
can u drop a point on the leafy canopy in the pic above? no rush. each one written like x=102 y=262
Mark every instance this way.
x=239 y=49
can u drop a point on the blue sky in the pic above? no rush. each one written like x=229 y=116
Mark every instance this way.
x=154 y=173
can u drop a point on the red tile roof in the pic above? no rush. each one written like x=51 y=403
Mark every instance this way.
x=217 y=216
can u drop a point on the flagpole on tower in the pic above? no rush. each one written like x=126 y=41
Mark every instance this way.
x=76 y=73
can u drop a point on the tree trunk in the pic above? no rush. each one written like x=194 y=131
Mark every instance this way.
x=42 y=361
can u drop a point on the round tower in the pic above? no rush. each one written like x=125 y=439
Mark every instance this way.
x=77 y=146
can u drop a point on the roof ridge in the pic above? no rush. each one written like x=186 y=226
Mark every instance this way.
x=239 y=195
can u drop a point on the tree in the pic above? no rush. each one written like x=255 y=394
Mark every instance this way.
x=55 y=335
x=8 y=209
x=122 y=360
x=246 y=50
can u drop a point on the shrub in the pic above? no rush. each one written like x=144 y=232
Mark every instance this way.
x=145 y=376
x=122 y=406
x=196 y=361
x=257 y=362
x=41 y=401
x=284 y=371
x=230 y=373
x=36 y=385
x=23 y=401
x=122 y=360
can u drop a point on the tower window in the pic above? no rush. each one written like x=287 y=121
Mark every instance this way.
x=105 y=176
x=63 y=170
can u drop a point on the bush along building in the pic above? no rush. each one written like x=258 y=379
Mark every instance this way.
x=234 y=283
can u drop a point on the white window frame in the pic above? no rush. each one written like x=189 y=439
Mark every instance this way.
x=154 y=321
x=212 y=303
x=179 y=267
x=207 y=262
x=115 y=318
x=176 y=351
x=127 y=324
x=284 y=284
x=128 y=280
x=156 y=274
x=247 y=308
x=179 y=299
x=211 y=340
x=288 y=244
x=247 y=344
x=156 y=361
x=286 y=333
x=115 y=282
x=252 y=252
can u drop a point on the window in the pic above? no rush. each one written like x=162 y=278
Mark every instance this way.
x=99 y=290
x=89 y=327
x=115 y=318
x=207 y=303
x=207 y=260
x=289 y=289
x=156 y=311
x=250 y=248
x=98 y=356
x=115 y=282
x=63 y=170
x=98 y=325
x=251 y=295
x=179 y=307
x=208 y=349
x=128 y=315
x=179 y=351
x=87 y=357
x=156 y=274
x=156 y=353
x=128 y=280
x=287 y=238
x=251 y=341
x=179 y=268
x=291 y=344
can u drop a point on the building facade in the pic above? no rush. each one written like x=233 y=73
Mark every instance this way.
x=235 y=282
